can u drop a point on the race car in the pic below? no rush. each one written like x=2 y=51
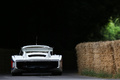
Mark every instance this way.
x=36 y=59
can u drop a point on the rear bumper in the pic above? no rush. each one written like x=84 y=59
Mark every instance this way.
x=37 y=67
x=56 y=70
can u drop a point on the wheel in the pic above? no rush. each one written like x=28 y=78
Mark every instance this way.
x=57 y=73
x=16 y=74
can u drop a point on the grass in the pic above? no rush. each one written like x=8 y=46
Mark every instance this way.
x=104 y=75
x=117 y=75
x=101 y=74
x=88 y=72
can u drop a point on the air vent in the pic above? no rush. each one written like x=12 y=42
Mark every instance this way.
x=37 y=55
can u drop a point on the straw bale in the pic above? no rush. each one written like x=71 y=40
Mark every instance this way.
x=118 y=66
x=96 y=56
x=99 y=56
x=117 y=63
x=117 y=54
x=108 y=70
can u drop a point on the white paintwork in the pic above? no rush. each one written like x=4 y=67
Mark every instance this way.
x=36 y=50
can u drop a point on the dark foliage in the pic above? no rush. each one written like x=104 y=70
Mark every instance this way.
x=58 y=23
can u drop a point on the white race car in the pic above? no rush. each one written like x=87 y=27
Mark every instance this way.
x=36 y=58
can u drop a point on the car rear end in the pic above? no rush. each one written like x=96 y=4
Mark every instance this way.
x=36 y=66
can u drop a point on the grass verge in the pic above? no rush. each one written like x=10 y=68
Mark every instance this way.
x=101 y=74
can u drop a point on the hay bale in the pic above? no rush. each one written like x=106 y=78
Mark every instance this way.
x=117 y=55
x=99 y=56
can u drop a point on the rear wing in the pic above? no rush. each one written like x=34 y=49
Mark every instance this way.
x=37 y=48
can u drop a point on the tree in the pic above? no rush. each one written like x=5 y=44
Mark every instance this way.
x=111 y=31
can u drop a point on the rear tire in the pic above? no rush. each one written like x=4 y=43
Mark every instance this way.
x=57 y=73
x=16 y=74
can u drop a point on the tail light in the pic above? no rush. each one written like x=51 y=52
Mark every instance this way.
x=61 y=62
x=12 y=64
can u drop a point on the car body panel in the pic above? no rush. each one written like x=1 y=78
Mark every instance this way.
x=36 y=58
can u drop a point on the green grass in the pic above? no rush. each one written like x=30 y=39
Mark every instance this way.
x=104 y=75
x=88 y=72
x=101 y=74
x=117 y=75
